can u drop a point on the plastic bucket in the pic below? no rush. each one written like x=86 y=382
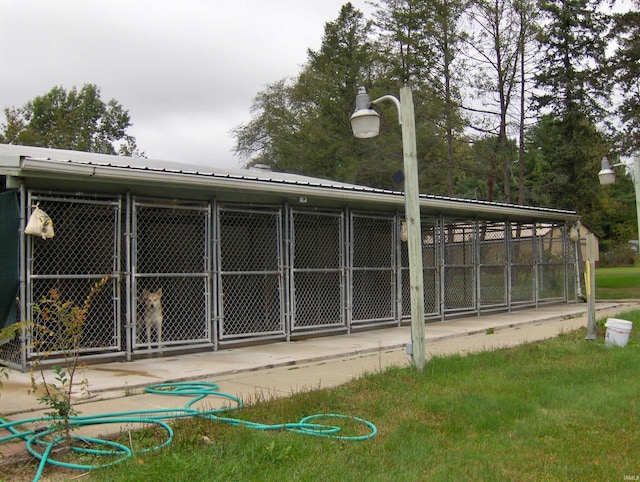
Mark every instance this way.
x=617 y=332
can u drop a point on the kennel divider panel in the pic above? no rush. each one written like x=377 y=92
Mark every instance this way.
x=459 y=268
x=551 y=255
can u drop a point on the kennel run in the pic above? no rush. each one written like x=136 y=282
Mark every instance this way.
x=253 y=255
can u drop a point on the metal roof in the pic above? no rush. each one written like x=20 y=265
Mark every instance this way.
x=65 y=169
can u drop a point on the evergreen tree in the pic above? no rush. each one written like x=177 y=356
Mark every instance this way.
x=567 y=145
x=626 y=65
x=447 y=37
x=570 y=73
x=421 y=43
x=303 y=125
x=564 y=159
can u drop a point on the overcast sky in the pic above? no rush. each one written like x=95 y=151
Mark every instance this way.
x=186 y=70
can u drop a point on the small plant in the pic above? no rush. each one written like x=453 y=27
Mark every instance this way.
x=7 y=334
x=129 y=391
x=490 y=331
x=61 y=332
x=275 y=454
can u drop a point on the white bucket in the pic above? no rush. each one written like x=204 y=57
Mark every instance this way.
x=617 y=332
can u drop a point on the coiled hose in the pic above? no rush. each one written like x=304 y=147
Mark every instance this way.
x=117 y=452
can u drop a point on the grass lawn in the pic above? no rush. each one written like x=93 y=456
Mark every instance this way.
x=562 y=409
x=618 y=283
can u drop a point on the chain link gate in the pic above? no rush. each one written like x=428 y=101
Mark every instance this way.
x=459 y=274
x=551 y=252
x=251 y=275
x=372 y=270
x=170 y=249
x=86 y=247
x=430 y=230
x=318 y=294
x=522 y=265
x=492 y=265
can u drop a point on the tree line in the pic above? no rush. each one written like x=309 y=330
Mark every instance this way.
x=516 y=101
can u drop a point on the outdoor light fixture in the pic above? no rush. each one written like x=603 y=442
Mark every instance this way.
x=365 y=123
x=607 y=175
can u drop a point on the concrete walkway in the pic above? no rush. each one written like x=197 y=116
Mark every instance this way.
x=280 y=369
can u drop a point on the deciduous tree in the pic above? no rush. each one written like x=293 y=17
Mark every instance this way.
x=76 y=120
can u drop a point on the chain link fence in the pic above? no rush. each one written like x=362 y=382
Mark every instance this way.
x=232 y=273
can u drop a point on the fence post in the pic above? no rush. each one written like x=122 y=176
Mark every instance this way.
x=590 y=282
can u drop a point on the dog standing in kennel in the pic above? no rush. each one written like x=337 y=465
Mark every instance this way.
x=152 y=316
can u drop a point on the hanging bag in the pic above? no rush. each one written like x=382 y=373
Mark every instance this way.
x=40 y=224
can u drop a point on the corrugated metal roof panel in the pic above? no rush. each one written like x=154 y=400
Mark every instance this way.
x=25 y=161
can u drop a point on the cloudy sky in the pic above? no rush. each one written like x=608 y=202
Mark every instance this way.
x=187 y=70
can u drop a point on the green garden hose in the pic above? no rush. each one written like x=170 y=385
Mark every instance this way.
x=40 y=447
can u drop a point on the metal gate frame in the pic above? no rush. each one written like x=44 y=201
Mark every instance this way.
x=84 y=250
x=459 y=266
x=369 y=261
x=493 y=275
x=432 y=268
x=185 y=287
x=317 y=263
x=250 y=274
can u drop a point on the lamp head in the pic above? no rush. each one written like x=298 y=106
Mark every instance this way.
x=365 y=122
x=606 y=174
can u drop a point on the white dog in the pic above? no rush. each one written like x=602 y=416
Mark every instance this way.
x=152 y=315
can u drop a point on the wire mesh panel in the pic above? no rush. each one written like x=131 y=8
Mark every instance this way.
x=551 y=250
x=52 y=320
x=459 y=266
x=318 y=272
x=430 y=249
x=522 y=265
x=251 y=280
x=171 y=274
x=85 y=248
x=373 y=269
x=492 y=267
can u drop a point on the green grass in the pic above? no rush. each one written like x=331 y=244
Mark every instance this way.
x=563 y=409
x=618 y=283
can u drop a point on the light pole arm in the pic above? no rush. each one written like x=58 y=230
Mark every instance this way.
x=392 y=99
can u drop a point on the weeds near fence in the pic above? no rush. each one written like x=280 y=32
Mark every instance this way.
x=61 y=331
